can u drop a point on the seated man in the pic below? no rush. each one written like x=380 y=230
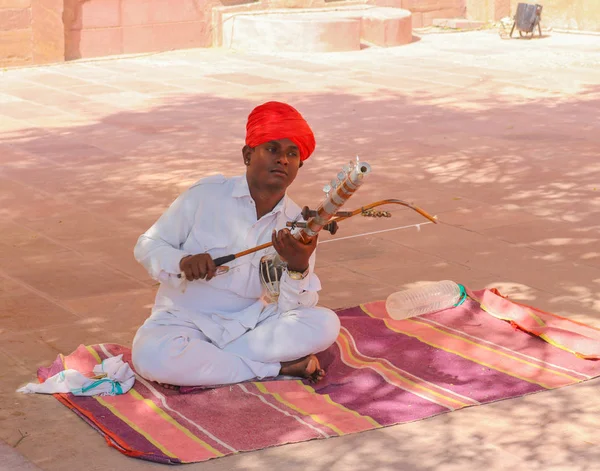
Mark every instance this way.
x=208 y=329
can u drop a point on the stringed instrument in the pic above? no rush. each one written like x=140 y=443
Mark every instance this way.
x=326 y=216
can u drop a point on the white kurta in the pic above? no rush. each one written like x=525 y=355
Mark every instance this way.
x=223 y=331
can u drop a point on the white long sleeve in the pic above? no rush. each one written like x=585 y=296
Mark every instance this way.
x=299 y=293
x=159 y=249
x=217 y=216
x=292 y=294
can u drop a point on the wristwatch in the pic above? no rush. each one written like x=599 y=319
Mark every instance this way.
x=297 y=275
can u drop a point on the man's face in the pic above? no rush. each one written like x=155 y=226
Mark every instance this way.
x=273 y=164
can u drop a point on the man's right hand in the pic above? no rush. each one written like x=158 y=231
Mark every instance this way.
x=198 y=267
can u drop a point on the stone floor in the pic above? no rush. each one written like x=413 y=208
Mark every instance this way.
x=499 y=138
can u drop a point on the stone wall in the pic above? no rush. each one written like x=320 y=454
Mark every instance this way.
x=424 y=11
x=15 y=32
x=106 y=27
x=47 y=31
x=488 y=10
x=583 y=15
x=568 y=14
x=44 y=31
x=31 y=32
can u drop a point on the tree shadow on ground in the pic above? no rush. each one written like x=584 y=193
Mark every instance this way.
x=538 y=157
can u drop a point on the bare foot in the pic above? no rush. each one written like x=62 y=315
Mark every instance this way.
x=307 y=367
x=169 y=386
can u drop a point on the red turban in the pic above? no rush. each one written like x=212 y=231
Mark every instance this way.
x=273 y=120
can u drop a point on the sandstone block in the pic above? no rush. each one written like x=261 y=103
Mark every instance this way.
x=94 y=43
x=183 y=35
x=138 y=39
x=164 y=37
x=137 y=12
x=96 y=14
x=16 y=47
x=432 y=5
x=177 y=11
x=16 y=4
x=12 y=18
x=429 y=16
x=48 y=31
x=417 y=19
x=387 y=31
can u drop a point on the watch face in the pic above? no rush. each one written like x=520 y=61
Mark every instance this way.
x=295 y=275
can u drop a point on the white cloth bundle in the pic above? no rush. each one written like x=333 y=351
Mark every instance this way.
x=113 y=376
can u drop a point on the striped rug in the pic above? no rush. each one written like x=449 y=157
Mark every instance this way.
x=381 y=372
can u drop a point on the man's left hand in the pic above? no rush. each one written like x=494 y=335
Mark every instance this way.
x=292 y=251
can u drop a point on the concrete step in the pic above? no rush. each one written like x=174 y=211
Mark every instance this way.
x=458 y=23
x=316 y=30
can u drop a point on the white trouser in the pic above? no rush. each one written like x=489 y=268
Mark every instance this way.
x=182 y=355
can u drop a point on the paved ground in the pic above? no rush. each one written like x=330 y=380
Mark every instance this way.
x=500 y=139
